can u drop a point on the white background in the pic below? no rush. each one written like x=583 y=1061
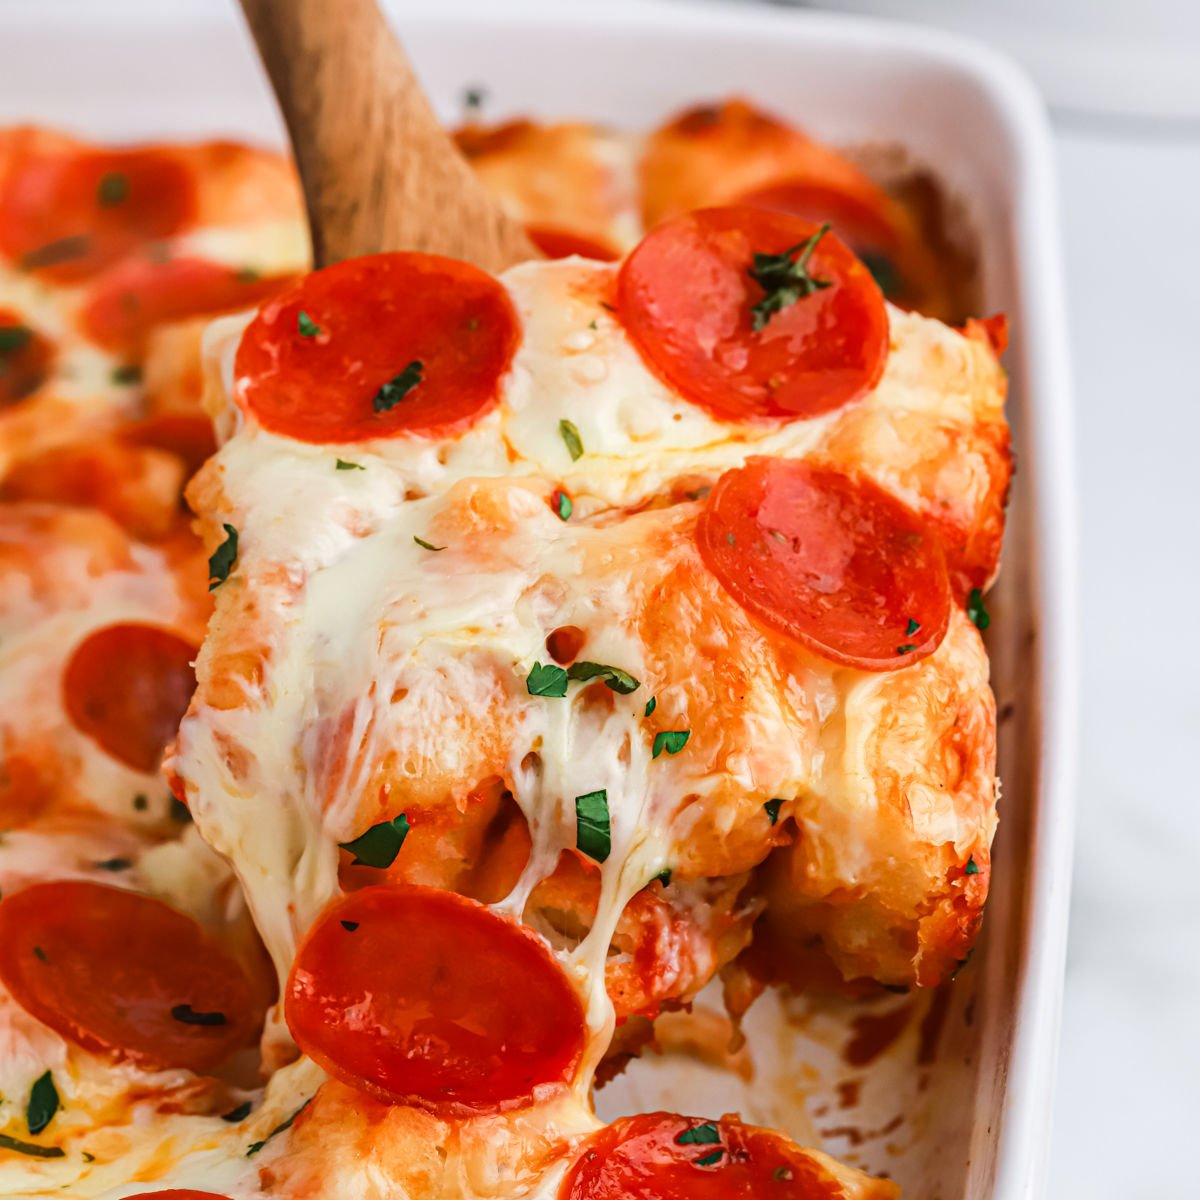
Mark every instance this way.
x=1127 y=1116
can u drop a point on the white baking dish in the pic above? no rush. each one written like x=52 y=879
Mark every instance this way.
x=975 y=1121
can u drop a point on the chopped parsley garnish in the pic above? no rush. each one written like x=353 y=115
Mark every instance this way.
x=670 y=740
x=907 y=648
x=976 y=613
x=561 y=503
x=40 y=954
x=396 y=389
x=664 y=876
x=127 y=374
x=773 y=807
x=710 y=1160
x=114 y=864
x=546 y=680
x=427 y=545
x=187 y=1015
x=912 y=626
x=14 y=338
x=43 y=1103
x=381 y=843
x=785 y=279
x=309 y=328
x=619 y=681
x=699 y=1135
x=234 y=1115
x=473 y=98
x=140 y=803
x=246 y=275
x=651 y=705
x=52 y=253
x=349 y=926
x=343 y=465
x=972 y=867
x=570 y=435
x=112 y=189
x=223 y=558
x=20 y=1147
x=255 y=1147
x=593 y=829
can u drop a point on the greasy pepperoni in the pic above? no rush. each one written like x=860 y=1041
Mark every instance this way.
x=128 y=687
x=555 y=242
x=422 y=996
x=837 y=563
x=25 y=358
x=126 y=302
x=189 y=438
x=68 y=215
x=123 y=974
x=376 y=319
x=685 y=297
x=642 y=1158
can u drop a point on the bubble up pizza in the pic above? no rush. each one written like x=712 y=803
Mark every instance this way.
x=549 y=647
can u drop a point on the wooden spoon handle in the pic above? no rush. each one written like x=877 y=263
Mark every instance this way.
x=378 y=170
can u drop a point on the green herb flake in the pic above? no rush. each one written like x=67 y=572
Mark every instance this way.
x=63 y=250
x=140 y=803
x=246 y=275
x=972 y=867
x=570 y=435
x=976 y=613
x=664 y=876
x=20 y=1147
x=113 y=189
x=185 y=1014
x=114 y=864
x=427 y=545
x=381 y=843
x=912 y=626
x=43 y=1103
x=396 y=389
x=710 y=1160
x=651 y=705
x=785 y=279
x=306 y=325
x=88 y=1158
x=593 y=828
x=234 y=1115
x=473 y=98
x=127 y=374
x=561 y=503
x=773 y=807
x=40 y=954
x=14 y=338
x=546 y=680
x=699 y=1135
x=255 y=1147
x=349 y=926
x=343 y=465
x=907 y=648
x=670 y=740
x=619 y=681
x=223 y=559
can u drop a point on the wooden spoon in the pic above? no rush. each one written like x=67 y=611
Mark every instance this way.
x=378 y=170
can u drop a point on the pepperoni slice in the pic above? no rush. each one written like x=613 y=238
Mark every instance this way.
x=25 y=358
x=128 y=687
x=837 y=563
x=189 y=438
x=122 y=974
x=421 y=996
x=661 y=1156
x=135 y=295
x=68 y=215
x=685 y=297
x=396 y=344
x=556 y=242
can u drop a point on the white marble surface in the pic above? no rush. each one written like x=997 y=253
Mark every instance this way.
x=1127 y=1111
